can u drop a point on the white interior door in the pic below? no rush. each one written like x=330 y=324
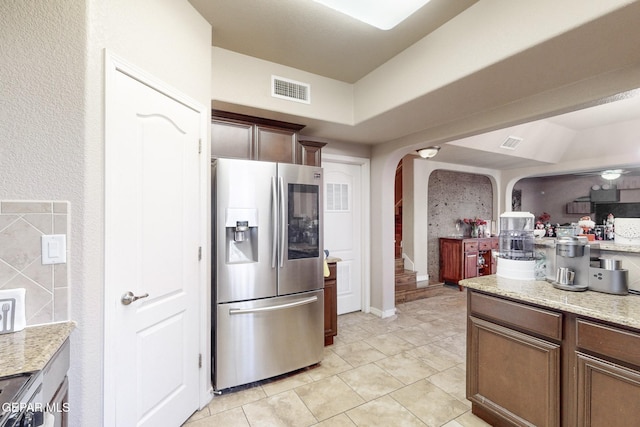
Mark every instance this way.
x=343 y=230
x=152 y=239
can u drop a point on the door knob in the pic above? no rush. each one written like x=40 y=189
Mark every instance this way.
x=129 y=297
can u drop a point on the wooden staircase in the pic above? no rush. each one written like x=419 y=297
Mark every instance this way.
x=407 y=287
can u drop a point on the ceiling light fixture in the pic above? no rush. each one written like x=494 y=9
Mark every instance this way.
x=429 y=152
x=381 y=14
x=611 y=174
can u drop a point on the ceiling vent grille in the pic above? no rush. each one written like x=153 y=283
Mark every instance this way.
x=290 y=89
x=511 y=143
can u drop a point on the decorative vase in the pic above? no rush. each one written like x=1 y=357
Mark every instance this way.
x=474 y=231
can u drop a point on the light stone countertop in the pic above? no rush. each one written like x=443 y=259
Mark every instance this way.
x=31 y=349
x=603 y=245
x=619 y=309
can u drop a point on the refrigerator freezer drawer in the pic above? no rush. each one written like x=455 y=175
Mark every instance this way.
x=263 y=338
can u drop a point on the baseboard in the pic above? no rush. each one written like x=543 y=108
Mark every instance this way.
x=383 y=314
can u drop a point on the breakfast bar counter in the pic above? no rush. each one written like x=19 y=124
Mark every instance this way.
x=623 y=310
x=537 y=355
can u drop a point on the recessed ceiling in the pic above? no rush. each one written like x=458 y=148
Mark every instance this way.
x=308 y=36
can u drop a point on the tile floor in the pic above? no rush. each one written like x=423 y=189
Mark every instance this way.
x=406 y=370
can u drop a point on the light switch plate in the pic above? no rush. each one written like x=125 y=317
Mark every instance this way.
x=54 y=249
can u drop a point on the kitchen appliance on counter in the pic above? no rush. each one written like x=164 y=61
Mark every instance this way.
x=572 y=256
x=516 y=256
x=268 y=297
x=576 y=271
x=609 y=277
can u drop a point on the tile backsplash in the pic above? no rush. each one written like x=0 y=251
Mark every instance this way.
x=22 y=225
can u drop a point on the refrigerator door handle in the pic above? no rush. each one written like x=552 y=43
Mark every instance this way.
x=274 y=222
x=283 y=224
x=273 y=307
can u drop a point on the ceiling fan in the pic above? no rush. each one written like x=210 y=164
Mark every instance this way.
x=608 y=174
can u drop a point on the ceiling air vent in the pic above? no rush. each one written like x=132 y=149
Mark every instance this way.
x=511 y=143
x=290 y=89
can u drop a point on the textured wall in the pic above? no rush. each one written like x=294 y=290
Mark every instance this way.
x=452 y=196
x=52 y=130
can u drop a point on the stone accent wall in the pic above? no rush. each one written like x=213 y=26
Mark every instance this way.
x=22 y=224
x=453 y=196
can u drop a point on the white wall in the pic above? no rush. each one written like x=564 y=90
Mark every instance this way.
x=245 y=80
x=52 y=124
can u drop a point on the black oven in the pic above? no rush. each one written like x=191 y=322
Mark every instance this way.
x=20 y=402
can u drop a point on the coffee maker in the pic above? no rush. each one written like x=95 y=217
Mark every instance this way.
x=573 y=257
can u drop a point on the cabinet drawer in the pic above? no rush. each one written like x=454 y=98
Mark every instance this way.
x=495 y=244
x=485 y=245
x=524 y=317
x=609 y=341
x=470 y=246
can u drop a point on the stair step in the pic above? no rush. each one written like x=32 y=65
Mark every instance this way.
x=418 y=293
x=408 y=277
x=399 y=265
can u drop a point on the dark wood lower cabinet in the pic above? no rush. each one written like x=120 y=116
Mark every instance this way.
x=330 y=305
x=531 y=366
x=514 y=375
x=608 y=394
x=464 y=258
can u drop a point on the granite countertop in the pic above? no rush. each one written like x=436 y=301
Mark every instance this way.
x=331 y=259
x=603 y=245
x=619 y=309
x=31 y=349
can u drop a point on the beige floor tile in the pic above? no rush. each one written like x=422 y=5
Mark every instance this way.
x=383 y=411
x=231 y=418
x=355 y=318
x=331 y=364
x=416 y=335
x=198 y=415
x=436 y=357
x=389 y=344
x=328 y=397
x=406 y=368
x=358 y=353
x=282 y=410
x=350 y=334
x=281 y=384
x=431 y=404
x=370 y=381
x=453 y=381
x=454 y=343
x=467 y=420
x=234 y=399
x=340 y=420
x=382 y=326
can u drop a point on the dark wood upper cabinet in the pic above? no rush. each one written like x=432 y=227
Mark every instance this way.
x=232 y=139
x=240 y=136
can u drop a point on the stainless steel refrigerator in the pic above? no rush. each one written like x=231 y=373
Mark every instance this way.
x=268 y=298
